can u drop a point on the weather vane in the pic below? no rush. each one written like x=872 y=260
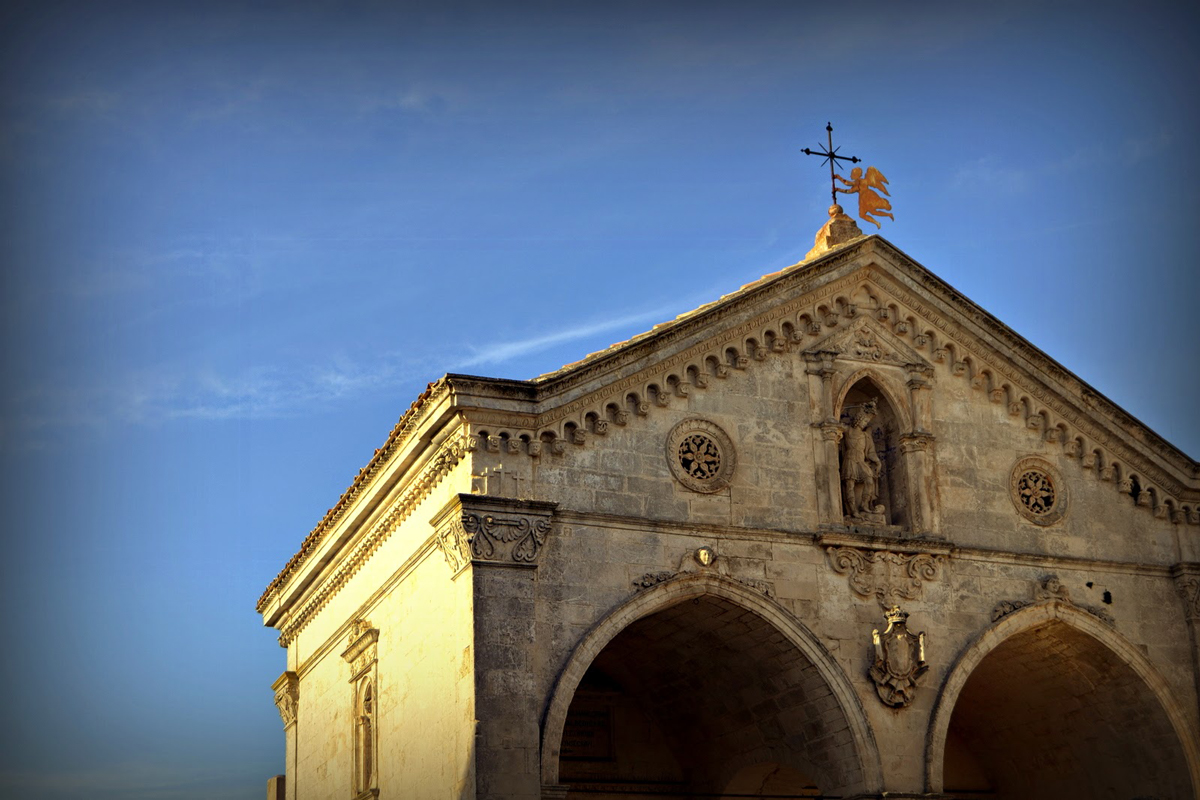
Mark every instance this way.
x=866 y=187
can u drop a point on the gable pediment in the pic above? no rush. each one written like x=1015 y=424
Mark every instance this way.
x=866 y=302
x=866 y=340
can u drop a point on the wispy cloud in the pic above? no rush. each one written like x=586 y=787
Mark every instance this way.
x=83 y=103
x=505 y=351
x=989 y=172
x=1138 y=149
x=992 y=173
x=38 y=414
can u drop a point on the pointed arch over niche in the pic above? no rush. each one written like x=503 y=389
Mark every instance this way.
x=837 y=750
x=1051 y=702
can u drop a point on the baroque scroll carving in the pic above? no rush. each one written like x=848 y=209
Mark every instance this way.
x=702 y=559
x=887 y=576
x=1049 y=589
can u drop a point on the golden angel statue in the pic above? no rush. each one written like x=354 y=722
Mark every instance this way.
x=869 y=202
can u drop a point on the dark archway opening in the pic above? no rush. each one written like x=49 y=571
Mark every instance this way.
x=1053 y=714
x=705 y=699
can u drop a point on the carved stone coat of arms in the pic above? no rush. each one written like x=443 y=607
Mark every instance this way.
x=899 y=660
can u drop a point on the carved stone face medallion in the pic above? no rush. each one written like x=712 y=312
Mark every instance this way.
x=1037 y=491
x=700 y=455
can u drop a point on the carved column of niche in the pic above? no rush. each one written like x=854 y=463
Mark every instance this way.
x=503 y=540
x=287 y=699
x=916 y=448
x=362 y=656
x=1187 y=585
x=820 y=371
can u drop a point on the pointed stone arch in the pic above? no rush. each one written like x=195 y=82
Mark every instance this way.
x=1085 y=627
x=860 y=753
x=886 y=389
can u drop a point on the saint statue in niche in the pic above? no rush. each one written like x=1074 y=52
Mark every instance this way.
x=869 y=201
x=861 y=468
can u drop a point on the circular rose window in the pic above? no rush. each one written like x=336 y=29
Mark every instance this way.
x=700 y=455
x=1038 y=491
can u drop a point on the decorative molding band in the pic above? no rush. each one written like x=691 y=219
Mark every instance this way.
x=447 y=457
x=287 y=697
x=886 y=575
x=1049 y=590
x=481 y=529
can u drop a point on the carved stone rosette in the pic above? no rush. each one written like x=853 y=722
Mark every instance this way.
x=287 y=697
x=888 y=576
x=478 y=529
x=899 y=660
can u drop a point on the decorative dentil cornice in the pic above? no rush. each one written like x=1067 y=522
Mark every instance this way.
x=409 y=420
x=422 y=484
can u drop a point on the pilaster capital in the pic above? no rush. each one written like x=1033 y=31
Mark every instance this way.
x=482 y=529
x=1187 y=585
x=287 y=697
x=831 y=431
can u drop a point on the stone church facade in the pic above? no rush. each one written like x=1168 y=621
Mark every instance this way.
x=840 y=533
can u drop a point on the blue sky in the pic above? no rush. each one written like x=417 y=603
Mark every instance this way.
x=238 y=240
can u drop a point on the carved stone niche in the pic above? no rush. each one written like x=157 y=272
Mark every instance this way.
x=873 y=473
x=362 y=654
x=477 y=529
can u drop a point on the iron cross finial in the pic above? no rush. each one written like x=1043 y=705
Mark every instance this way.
x=831 y=155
